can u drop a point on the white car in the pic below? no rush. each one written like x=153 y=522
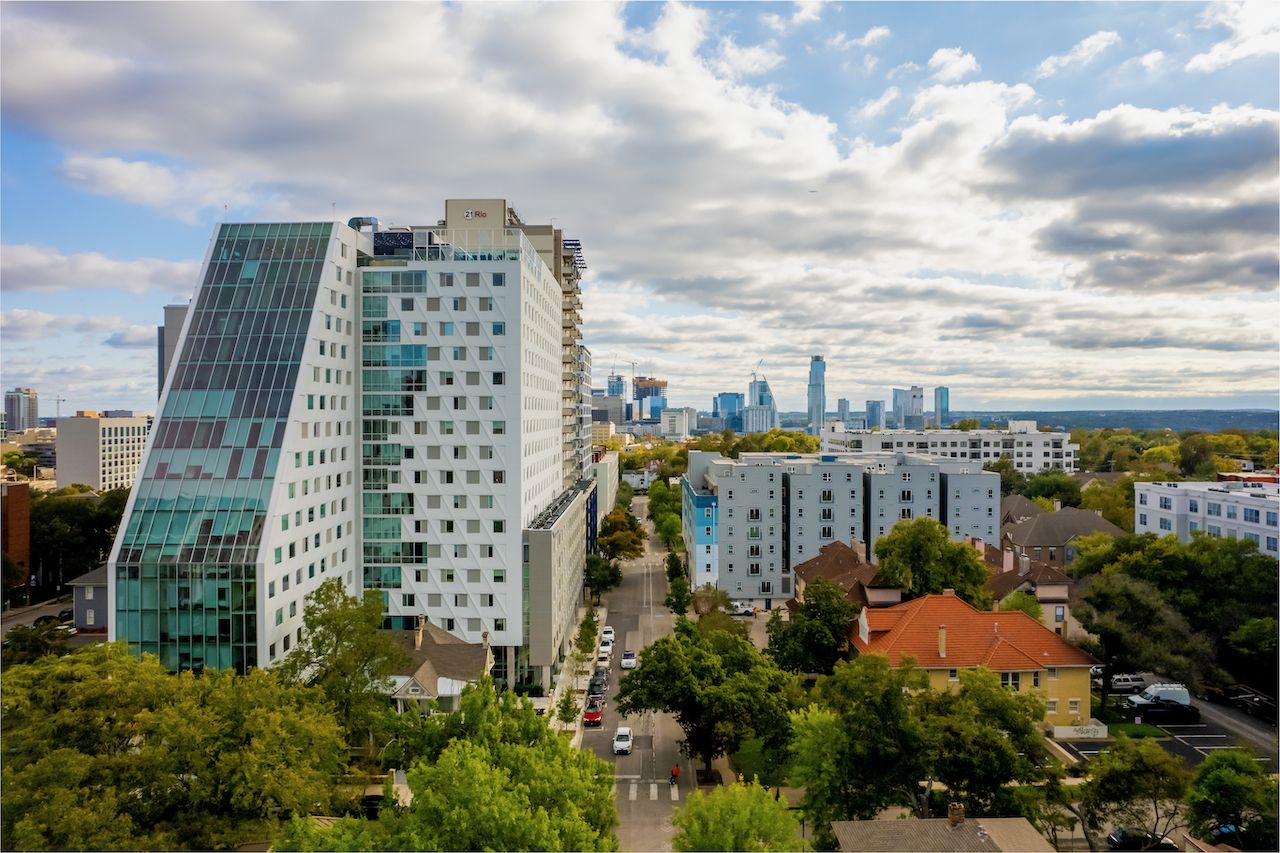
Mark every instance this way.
x=628 y=660
x=607 y=633
x=622 y=741
x=606 y=647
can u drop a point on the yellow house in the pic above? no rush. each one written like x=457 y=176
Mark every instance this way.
x=945 y=634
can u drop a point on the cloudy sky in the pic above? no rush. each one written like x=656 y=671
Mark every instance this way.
x=1040 y=205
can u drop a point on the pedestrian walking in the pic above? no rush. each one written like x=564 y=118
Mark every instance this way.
x=675 y=773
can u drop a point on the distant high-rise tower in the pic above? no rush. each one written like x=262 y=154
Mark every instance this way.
x=21 y=409
x=817 y=393
x=942 y=405
x=761 y=412
x=875 y=414
x=842 y=410
x=728 y=405
x=915 y=408
x=617 y=386
x=901 y=403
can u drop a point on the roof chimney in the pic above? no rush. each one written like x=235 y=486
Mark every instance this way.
x=1024 y=564
x=1008 y=559
x=942 y=641
x=949 y=591
x=955 y=813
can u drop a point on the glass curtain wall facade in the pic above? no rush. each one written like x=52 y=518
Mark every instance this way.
x=187 y=566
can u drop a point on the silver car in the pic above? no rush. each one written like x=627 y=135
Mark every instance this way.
x=622 y=741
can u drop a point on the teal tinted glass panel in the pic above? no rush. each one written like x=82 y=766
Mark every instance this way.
x=186 y=572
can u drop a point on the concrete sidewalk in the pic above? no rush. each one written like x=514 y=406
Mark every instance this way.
x=566 y=682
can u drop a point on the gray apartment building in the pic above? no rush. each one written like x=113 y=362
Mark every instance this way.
x=769 y=512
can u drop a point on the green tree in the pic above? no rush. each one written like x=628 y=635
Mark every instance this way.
x=1024 y=601
x=983 y=737
x=668 y=530
x=1115 y=502
x=1195 y=456
x=28 y=644
x=1231 y=789
x=22 y=461
x=709 y=598
x=1136 y=783
x=626 y=493
x=719 y=687
x=860 y=747
x=744 y=816
x=966 y=424
x=817 y=634
x=496 y=778
x=346 y=654
x=619 y=520
x=623 y=545
x=1011 y=479
x=678 y=596
x=601 y=575
x=1053 y=485
x=920 y=557
x=587 y=630
x=1133 y=629
x=106 y=751
x=72 y=529
x=675 y=567
x=567 y=708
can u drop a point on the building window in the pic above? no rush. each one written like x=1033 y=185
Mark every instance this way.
x=1166 y=502
x=1035 y=678
x=1251 y=515
x=1053 y=673
x=953 y=675
x=1073 y=706
x=1011 y=679
x=1142 y=498
x=1166 y=524
x=1060 y=613
x=1052 y=706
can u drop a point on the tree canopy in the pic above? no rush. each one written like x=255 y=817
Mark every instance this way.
x=490 y=776
x=817 y=634
x=919 y=557
x=346 y=654
x=1136 y=783
x=104 y=751
x=1025 y=602
x=719 y=687
x=1053 y=485
x=601 y=575
x=1230 y=789
x=743 y=817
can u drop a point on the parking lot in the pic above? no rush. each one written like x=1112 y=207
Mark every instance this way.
x=1191 y=742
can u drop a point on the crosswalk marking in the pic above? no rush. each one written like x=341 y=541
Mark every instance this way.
x=675 y=794
x=631 y=795
x=653 y=790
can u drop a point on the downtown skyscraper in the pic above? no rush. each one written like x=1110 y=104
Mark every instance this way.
x=403 y=409
x=817 y=393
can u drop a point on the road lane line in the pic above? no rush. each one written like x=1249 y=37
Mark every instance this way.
x=653 y=790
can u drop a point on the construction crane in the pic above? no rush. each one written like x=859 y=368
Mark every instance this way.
x=58 y=400
x=756 y=369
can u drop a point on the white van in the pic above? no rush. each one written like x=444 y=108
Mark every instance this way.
x=1176 y=693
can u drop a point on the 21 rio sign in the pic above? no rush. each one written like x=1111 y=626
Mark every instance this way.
x=474 y=214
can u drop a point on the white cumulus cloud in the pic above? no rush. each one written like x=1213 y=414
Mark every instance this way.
x=840 y=41
x=1255 y=31
x=875 y=108
x=24 y=267
x=950 y=64
x=1085 y=51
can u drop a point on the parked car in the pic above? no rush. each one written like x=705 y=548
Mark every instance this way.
x=66 y=614
x=593 y=715
x=1259 y=705
x=47 y=619
x=1164 y=711
x=606 y=647
x=1126 y=682
x=744 y=610
x=1168 y=692
x=622 y=741
x=603 y=660
x=1132 y=838
x=629 y=660
x=607 y=633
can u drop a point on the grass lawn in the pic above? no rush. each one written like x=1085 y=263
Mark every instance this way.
x=750 y=761
x=1134 y=730
x=1119 y=719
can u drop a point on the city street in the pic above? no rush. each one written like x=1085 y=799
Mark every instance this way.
x=638 y=616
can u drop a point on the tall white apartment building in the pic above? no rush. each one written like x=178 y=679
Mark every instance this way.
x=102 y=453
x=398 y=408
x=1238 y=510
x=749 y=521
x=1029 y=449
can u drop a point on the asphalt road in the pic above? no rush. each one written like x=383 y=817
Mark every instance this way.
x=638 y=616
x=28 y=615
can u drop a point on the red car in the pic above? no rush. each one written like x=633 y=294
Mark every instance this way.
x=593 y=715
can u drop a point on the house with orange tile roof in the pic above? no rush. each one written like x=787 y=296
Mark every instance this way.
x=944 y=634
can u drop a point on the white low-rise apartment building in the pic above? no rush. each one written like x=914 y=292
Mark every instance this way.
x=1239 y=510
x=1028 y=448
x=749 y=521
